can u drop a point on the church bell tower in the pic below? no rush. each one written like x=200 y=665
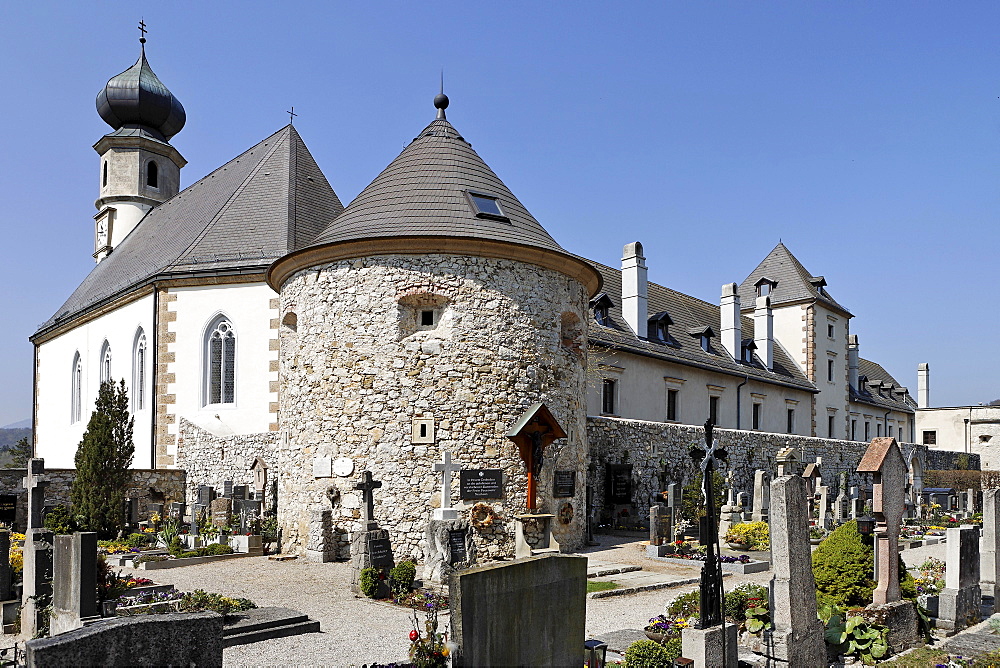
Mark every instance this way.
x=139 y=167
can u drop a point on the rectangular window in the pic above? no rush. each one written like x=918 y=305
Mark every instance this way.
x=829 y=331
x=829 y=370
x=426 y=318
x=854 y=430
x=790 y=426
x=671 y=404
x=831 y=424
x=608 y=396
x=878 y=430
x=890 y=431
x=755 y=416
x=868 y=430
x=713 y=409
x=930 y=438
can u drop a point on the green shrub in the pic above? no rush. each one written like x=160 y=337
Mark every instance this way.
x=176 y=546
x=137 y=540
x=842 y=565
x=59 y=520
x=401 y=578
x=647 y=654
x=673 y=647
x=199 y=599
x=216 y=549
x=368 y=582
x=739 y=598
x=854 y=636
x=685 y=605
x=188 y=554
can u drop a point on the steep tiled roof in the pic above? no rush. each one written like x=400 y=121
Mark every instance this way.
x=794 y=282
x=423 y=192
x=268 y=201
x=687 y=313
x=873 y=372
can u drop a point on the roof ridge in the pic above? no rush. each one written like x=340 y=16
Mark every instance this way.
x=235 y=195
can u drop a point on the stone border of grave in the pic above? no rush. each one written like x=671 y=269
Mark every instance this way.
x=190 y=561
x=753 y=566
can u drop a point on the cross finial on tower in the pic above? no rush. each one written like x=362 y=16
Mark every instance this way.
x=142 y=31
x=291 y=116
x=441 y=100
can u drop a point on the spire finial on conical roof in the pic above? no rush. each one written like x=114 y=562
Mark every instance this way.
x=441 y=100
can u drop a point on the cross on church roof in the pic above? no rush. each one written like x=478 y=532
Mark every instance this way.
x=143 y=31
x=291 y=116
x=368 y=487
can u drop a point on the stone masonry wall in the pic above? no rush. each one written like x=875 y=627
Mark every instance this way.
x=212 y=460
x=659 y=454
x=357 y=366
x=159 y=486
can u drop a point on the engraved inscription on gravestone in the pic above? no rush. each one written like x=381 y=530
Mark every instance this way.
x=480 y=483
x=8 y=508
x=619 y=483
x=380 y=551
x=456 y=540
x=564 y=484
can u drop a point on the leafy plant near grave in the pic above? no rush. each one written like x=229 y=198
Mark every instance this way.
x=175 y=546
x=59 y=520
x=741 y=597
x=754 y=535
x=685 y=605
x=842 y=566
x=368 y=582
x=199 y=600
x=208 y=551
x=102 y=462
x=854 y=636
x=422 y=600
x=170 y=530
x=428 y=649
x=649 y=654
x=692 y=502
x=401 y=578
x=150 y=557
x=138 y=540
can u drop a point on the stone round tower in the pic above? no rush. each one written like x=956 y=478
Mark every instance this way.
x=428 y=317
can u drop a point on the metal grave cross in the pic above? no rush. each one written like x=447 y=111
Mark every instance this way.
x=711 y=572
x=368 y=487
x=35 y=482
x=446 y=468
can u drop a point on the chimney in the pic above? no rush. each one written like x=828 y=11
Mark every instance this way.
x=763 y=331
x=634 y=285
x=732 y=327
x=852 y=360
x=923 y=385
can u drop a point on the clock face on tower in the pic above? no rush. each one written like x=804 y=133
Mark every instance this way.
x=102 y=232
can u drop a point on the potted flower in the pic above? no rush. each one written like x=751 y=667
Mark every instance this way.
x=817 y=534
x=660 y=628
x=737 y=543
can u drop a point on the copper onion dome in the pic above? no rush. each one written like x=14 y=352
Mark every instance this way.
x=137 y=98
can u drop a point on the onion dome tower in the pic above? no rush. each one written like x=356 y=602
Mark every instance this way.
x=139 y=167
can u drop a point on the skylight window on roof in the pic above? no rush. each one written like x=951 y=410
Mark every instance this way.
x=487 y=206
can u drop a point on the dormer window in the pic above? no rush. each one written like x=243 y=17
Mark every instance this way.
x=658 y=328
x=602 y=309
x=819 y=283
x=487 y=206
x=765 y=286
x=747 y=351
x=704 y=336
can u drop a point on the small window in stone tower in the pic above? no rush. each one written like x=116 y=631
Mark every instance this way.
x=487 y=206
x=152 y=175
x=427 y=318
x=105 y=183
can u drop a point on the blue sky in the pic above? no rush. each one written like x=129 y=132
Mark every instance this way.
x=863 y=135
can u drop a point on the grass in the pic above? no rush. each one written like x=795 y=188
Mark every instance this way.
x=600 y=586
x=928 y=657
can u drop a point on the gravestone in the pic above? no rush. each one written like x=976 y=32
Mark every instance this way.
x=761 y=494
x=241 y=492
x=132 y=513
x=36 y=591
x=970 y=495
x=370 y=547
x=35 y=483
x=959 y=601
x=564 y=484
x=990 y=552
x=730 y=513
x=8 y=509
x=730 y=488
x=788 y=460
x=74 y=587
x=618 y=487
x=674 y=504
x=196 y=512
x=221 y=510
x=5 y=572
x=857 y=505
x=206 y=495
x=797 y=634
x=661 y=531
x=840 y=509
x=177 y=510
x=227 y=488
x=743 y=503
x=822 y=506
x=450 y=548
x=445 y=467
x=885 y=462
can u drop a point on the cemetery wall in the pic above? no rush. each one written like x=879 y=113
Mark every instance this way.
x=658 y=453
x=358 y=365
x=212 y=460
x=150 y=486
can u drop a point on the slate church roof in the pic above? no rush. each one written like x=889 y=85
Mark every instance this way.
x=888 y=397
x=687 y=314
x=794 y=283
x=266 y=202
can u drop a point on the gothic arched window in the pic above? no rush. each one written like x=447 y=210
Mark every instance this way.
x=105 y=362
x=220 y=356
x=76 y=389
x=152 y=174
x=139 y=372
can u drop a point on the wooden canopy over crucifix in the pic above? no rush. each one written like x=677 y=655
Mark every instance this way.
x=532 y=433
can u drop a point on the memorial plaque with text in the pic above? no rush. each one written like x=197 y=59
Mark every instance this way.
x=618 y=488
x=380 y=552
x=456 y=540
x=564 y=484
x=8 y=508
x=480 y=484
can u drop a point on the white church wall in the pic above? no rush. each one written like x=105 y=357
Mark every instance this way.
x=249 y=309
x=832 y=400
x=57 y=437
x=789 y=332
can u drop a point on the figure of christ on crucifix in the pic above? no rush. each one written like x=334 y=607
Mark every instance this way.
x=535 y=430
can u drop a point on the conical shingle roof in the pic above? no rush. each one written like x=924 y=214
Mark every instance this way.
x=794 y=283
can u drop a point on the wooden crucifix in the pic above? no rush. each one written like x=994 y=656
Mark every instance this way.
x=368 y=487
x=533 y=432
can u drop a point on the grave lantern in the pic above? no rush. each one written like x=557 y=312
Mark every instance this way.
x=595 y=653
x=866 y=526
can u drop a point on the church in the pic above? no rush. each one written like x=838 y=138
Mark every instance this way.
x=255 y=317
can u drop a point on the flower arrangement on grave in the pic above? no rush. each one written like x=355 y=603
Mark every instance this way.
x=818 y=532
x=429 y=649
x=930 y=579
x=751 y=535
x=482 y=516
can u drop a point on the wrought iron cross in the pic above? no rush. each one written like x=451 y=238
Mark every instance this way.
x=368 y=487
x=711 y=572
x=291 y=116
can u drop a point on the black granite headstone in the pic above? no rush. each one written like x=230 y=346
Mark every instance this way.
x=240 y=491
x=618 y=487
x=380 y=553
x=227 y=488
x=564 y=484
x=204 y=495
x=480 y=484
x=456 y=541
x=8 y=508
